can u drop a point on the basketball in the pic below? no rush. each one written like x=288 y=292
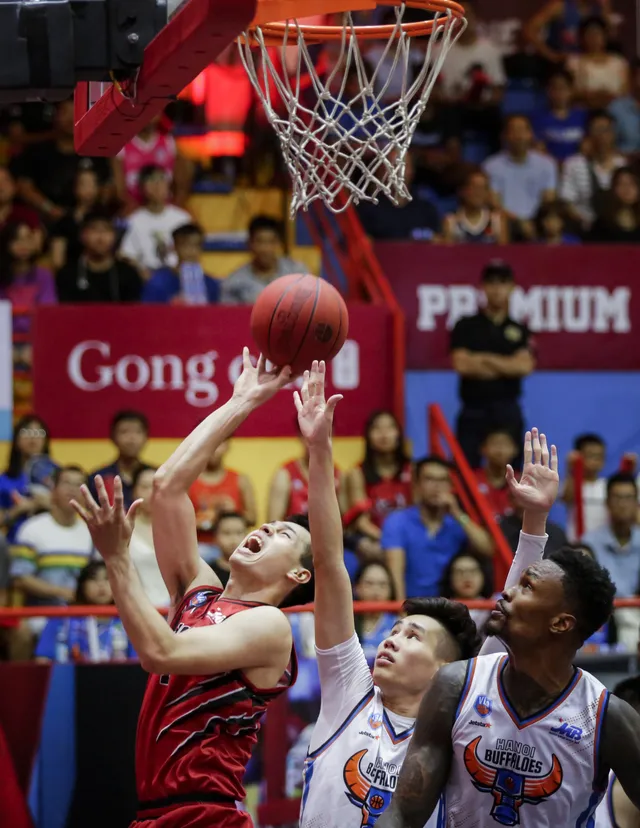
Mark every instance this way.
x=297 y=319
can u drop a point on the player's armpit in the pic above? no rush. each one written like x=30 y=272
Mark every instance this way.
x=620 y=749
x=256 y=638
x=425 y=769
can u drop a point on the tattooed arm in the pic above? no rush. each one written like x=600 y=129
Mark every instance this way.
x=426 y=768
x=621 y=746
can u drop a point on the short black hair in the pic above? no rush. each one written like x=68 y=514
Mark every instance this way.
x=260 y=223
x=629 y=690
x=186 y=230
x=127 y=415
x=303 y=593
x=72 y=467
x=492 y=430
x=621 y=478
x=599 y=114
x=432 y=459
x=593 y=20
x=515 y=116
x=148 y=171
x=561 y=73
x=587 y=438
x=497 y=270
x=584 y=548
x=228 y=516
x=96 y=217
x=456 y=620
x=88 y=573
x=139 y=472
x=588 y=589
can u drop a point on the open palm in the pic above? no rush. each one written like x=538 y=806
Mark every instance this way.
x=537 y=488
x=315 y=414
x=109 y=525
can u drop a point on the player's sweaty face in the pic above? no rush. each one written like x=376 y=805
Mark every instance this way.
x=406 y=660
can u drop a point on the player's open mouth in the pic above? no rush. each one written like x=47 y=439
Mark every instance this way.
x=385 y=658
x=253 y=544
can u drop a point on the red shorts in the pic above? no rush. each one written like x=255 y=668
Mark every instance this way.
x=195 y=815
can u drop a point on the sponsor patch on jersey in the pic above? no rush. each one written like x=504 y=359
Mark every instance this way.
x=216 y=617
x=479 y=724
x=375 y=721
x=483 y=706
x=570 y=733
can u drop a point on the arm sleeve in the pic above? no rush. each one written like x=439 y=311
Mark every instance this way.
x=345 y=679
x=530 y=550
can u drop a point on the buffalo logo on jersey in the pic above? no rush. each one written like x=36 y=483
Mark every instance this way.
x=370 y=787
x=198 y=599
x=483 y=706
x=510 y=790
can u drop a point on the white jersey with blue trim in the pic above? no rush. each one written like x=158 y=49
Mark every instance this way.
x=357 y=749
x=605 y=817
x=539 y=771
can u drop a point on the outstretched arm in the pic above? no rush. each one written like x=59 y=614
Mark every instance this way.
x=173 y=516
x=621 y=746
x=426 y=767
x=333 y=596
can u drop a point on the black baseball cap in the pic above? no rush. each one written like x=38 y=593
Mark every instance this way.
x=497 y=271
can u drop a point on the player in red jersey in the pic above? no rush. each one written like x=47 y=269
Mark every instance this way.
x=211 y=681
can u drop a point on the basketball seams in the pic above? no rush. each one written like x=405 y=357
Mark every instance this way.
x=333 y=351
x=309 y=321
x=278 y=303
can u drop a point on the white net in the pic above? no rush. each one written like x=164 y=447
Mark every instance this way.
x=345 y=123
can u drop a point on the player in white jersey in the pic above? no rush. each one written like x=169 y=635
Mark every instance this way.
x=362 y=734
x=616 y=809
x=524 y=738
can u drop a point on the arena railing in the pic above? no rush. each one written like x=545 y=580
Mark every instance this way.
x=443 y=444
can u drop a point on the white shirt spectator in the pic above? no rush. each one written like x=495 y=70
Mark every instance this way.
x=455 y=77
x=521 y=185
x=148 y=241
x=608 y=76
x=594 y=508
x=576 y=185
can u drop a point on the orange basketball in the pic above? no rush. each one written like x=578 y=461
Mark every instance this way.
x=297 y=319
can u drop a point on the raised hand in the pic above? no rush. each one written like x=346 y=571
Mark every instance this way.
x=537 y=489
x=109 y=526
x=315 y=414
x=257 y=385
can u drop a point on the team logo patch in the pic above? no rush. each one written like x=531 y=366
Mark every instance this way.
x=510 y=789
x=198 y=599
x=375 y=721
x=370 y=785
x=483 y=706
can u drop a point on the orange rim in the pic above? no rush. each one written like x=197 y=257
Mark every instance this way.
x=274 y=33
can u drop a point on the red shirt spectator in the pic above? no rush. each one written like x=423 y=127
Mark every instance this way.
x=10 y=212
x=498 y=449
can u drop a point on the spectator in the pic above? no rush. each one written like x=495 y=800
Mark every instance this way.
x=185 y=284
x=473 y=80
x=141 y=548
x=22 y=280
x=66 y=245
x=498 y=449
x=626 y=113
x=437 y=150
x=373 y=582
x=587 y=175
x=148 y=239
x=475 y=222
x=49 y=551
x=382 y=482
x=491 y=353
x=4 y=571
x=618 y=221
x=421 y=540
x=97 y=275
x=266 y=238
x=617 y=547
x=411 y=218
x=560 y=126
x=555 y=29
x=600 y=75
x=229 y=530
x=91 y=639
x=129 y=433
x=46 y=171
x=17 y=502
x=153 y=146
x=220 y=489
x=466 y=579
x=551 y=225
x=521 y=178
x=511 y=524
x=12 y=212
x=591 y=449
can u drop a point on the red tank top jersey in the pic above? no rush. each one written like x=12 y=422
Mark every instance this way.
x=390 y=494
x=196 y=733
x=498 y=498
x=299 y=491
x=210 y=498
x=160 y=151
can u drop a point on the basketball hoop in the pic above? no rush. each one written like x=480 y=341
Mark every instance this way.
x=343 y=137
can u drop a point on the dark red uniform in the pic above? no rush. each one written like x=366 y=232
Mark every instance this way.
x=388 y=494
x=196 y=733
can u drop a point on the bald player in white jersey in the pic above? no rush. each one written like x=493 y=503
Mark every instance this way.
x=524 y=738
x=362 y=734
x=616 y=809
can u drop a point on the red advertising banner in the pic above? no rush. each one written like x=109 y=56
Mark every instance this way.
x=582 y=303
x=177 y=364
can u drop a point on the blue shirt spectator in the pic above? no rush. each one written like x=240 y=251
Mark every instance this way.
x=562 y=135
x=520 y=177
x=84 y=639
x=9 y=488
x=626 y=112
x=166 y=284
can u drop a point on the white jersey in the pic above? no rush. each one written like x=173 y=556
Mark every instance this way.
x=357 y=748
x=540 y=771
x=605 y=817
